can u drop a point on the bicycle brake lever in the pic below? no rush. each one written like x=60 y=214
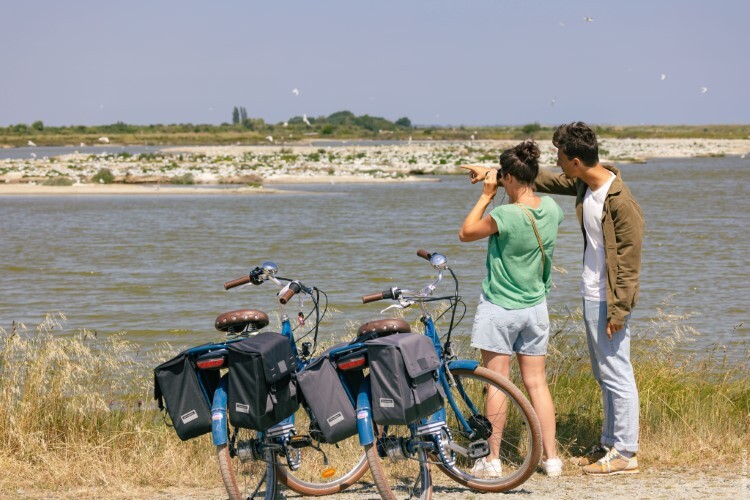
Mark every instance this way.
x=394 y=306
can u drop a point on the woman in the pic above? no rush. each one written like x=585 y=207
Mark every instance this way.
x=512 y=313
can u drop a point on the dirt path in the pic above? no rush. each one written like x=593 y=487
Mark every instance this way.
x=663 y=483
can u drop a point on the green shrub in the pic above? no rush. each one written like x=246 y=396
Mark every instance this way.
x=103 y=176
x=58 y=181
x=184 y=179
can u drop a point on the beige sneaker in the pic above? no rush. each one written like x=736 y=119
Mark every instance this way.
x=595 y=454
x=487 y=469
x=613 y=463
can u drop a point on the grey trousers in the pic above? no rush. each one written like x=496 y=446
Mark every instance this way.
x=610 y=362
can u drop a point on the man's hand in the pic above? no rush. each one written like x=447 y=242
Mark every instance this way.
x=613 y=327
x=477 y=173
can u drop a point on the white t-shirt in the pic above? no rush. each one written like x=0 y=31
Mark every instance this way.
x=594 y=277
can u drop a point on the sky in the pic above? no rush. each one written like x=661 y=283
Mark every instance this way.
x=437 y=62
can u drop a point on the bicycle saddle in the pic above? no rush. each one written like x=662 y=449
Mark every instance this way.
x=381 y=328
x=237 y=321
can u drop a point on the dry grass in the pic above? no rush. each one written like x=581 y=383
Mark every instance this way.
x=76 y=411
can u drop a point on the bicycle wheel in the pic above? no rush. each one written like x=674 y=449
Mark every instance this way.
x=510 y=425
x=243 y=466
x=397 y=470
x=330 y=469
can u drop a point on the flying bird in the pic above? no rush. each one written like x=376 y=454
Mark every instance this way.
x=588 y=19
x=663 y=77
x=269 y=138
x=704 y=90
x=307 y=122
x=33 y=155
x=285 y=124
x=295 y=91
x=31 y=143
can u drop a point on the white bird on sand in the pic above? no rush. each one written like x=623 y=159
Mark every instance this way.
x=104 y=140
x=704 y=90
x=269 y=138
x=588 y=19
x=295 y=91
x=83 y=145
x=663 y=77
x=31 y=143
x=304 y=119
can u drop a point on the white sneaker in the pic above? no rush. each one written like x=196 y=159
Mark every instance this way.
x=552 y=467
x=483 y=468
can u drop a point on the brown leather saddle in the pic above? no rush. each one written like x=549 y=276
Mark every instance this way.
x=240 y=320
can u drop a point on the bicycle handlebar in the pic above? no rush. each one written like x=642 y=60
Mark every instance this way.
x=294 y=288
x=424 y=254
x=237 y=282
x=385 y=294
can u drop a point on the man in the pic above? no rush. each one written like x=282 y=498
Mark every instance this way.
x=612 y=225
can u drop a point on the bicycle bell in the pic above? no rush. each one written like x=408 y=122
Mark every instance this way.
x=269 y=268
x=439 y=261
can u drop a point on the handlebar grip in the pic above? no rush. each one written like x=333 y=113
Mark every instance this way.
x=424 y=254
x=293 y=289
x=373 y=297
x=234 y=283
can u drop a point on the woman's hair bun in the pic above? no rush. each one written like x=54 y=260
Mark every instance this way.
x=528 y=150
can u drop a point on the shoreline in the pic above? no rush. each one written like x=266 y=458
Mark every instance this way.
x=242 y=169
x=150 y=189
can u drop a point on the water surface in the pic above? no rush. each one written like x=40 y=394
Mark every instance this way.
x=154 y=266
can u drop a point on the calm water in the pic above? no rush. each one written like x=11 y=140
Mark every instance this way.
x=154 y=267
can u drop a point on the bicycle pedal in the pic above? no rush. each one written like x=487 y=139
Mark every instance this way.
x=300 y=441
x=478 y=449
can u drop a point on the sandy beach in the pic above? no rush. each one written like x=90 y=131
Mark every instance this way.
x=200 y=169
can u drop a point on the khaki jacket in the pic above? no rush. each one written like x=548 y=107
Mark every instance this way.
x=622 y=228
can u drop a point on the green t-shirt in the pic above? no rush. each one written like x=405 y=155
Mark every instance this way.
x=514 y=260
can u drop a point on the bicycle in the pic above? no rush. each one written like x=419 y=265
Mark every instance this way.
x=463 y=431
x=281 y=454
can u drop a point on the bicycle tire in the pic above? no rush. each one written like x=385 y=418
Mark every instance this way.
x=384 y=484
x=346 y=463
x=522 y=435
x=231 y=468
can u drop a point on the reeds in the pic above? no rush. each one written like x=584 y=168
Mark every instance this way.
x=77 y=410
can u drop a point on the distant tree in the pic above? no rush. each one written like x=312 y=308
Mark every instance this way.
x=20 y=128
x=404 y=122
x=38 y=125
x=341 y=118
x=531 y=128
x=235 y=116
x=243 y=115
x=373 y=123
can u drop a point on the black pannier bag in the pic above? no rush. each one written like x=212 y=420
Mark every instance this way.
x=176 y=384
x=331 y=403
x=261 y=392
x=404 y=378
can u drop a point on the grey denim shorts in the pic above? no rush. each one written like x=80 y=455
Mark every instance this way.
x=505 y=331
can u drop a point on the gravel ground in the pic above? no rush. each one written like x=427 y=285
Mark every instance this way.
x=661 y=483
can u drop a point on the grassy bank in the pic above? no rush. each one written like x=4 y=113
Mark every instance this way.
x=320 y=129
x=76 y=410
